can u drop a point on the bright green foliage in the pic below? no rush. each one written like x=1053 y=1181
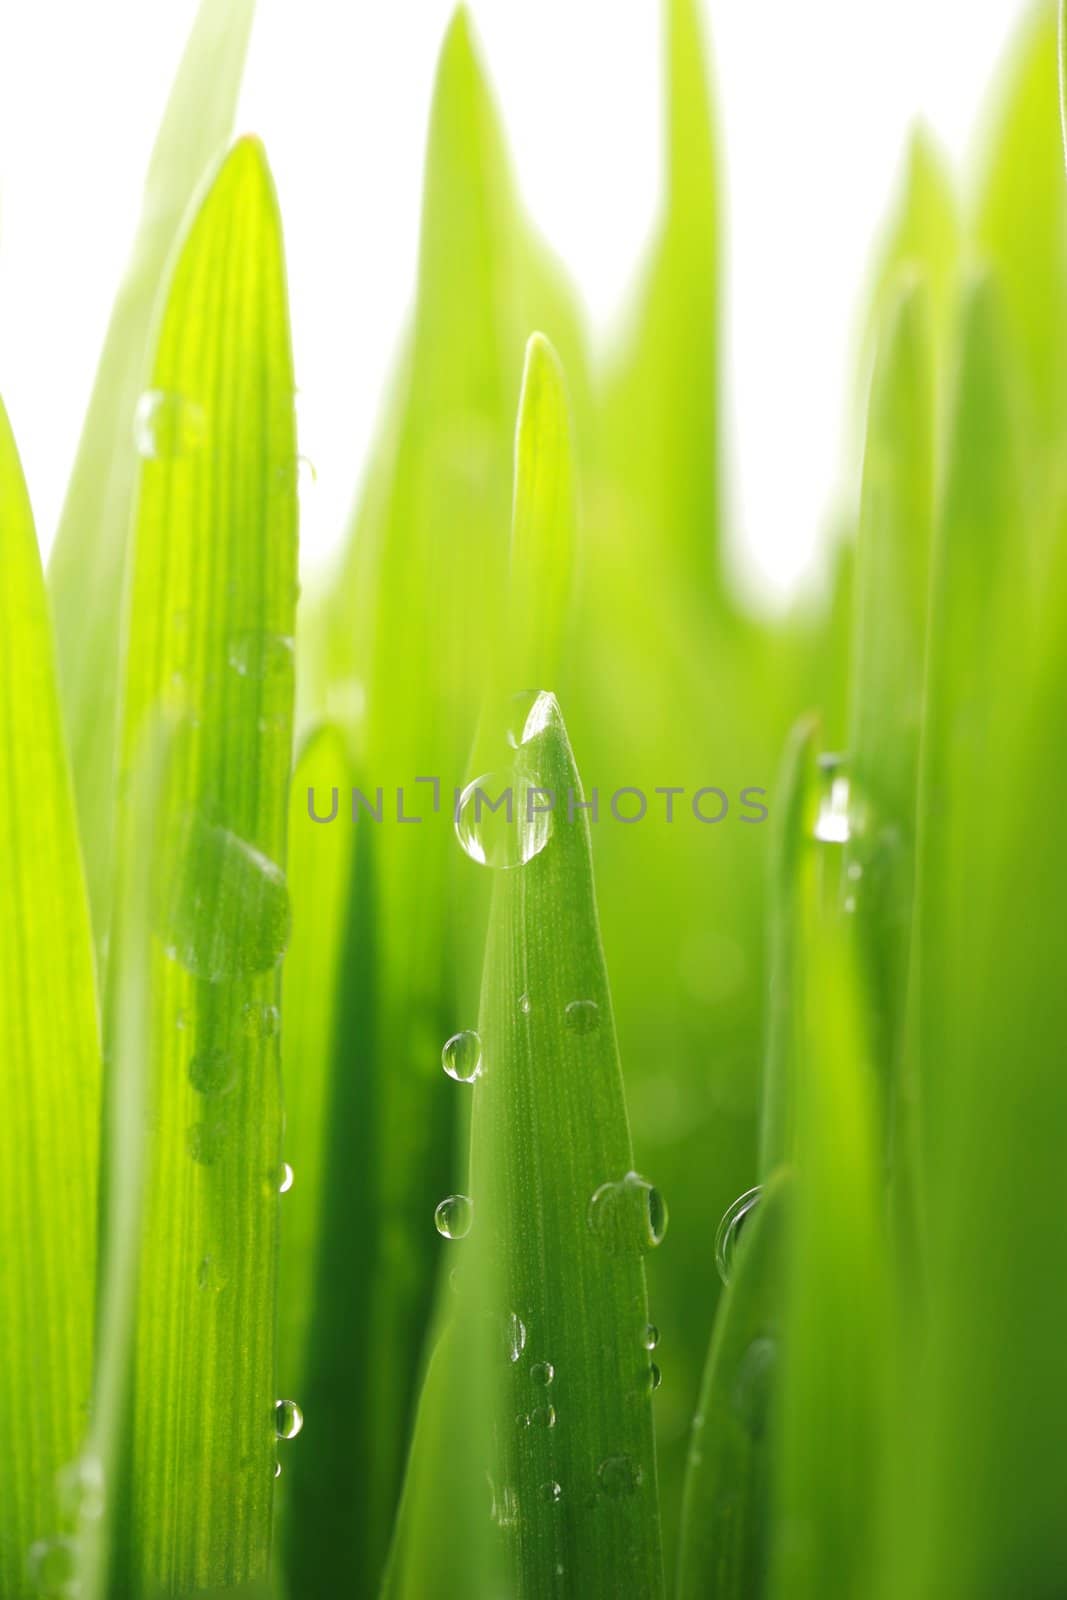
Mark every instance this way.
x=89 y=556
x=49 y=1069
x=211 y=610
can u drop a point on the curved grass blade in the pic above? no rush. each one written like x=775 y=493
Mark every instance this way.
x=50 y=1071
x=89 y=556
x=726 y=1510
x=211 y=616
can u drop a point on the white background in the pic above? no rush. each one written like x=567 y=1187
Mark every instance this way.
x=815 y=103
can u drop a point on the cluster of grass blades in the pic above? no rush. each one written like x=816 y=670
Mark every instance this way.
x=258 y=897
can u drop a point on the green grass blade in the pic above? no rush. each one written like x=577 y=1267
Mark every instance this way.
x=666 y=458
x=89 y=556
x=50 y=1068
x=833 y=1418
x=544 y=523
x=1022 y=229
x=726 y=1510
x=211 y=616
x=554 y=1246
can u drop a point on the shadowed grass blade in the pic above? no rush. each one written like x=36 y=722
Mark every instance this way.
x=211 y=614
x=50 y=1070
x=89 y=556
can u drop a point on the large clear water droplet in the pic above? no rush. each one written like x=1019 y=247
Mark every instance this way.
x=167 y=426
x=650 y=1337
x=730 y=1228
x=453 y=1216
x=288 y=1419
x=582 y=1016
x=53 y=1568
x=628 y=1217
x=543 y=1417
x=462 y=1056
x=832 y=824
x=212 y=1071
x=499 y=822
x=225 y=912
x=619 y=1476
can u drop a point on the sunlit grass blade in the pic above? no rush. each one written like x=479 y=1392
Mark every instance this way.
x=1022 y=229
x=544 y=524
x=89 y=556
x=211 y=611
x=561 y=1221
x=726 y=1512
x=887 y=689
x=50 y=1071
x=832 y=1422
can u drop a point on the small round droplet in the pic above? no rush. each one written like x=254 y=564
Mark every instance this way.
x=503 y=820
x=212 y=1071
x=522 y=1420
x=285 y=1178
x=730 y=1228
x=167 y=426
x=262 y=656
x=543 y=1417
x=462 y=1056
x=551 y=1493
x=288 y=1419
x=628 y=1217
x=650 y=1337
x=206 y=1142
x=525 y=1004
x=260 y=1022
x=832 y=825
x=653 y=1377
x=81 y=1489
x=53 y=1568
x=542 y=1372
x=514 y=1335
x=453 y=1216
x=582 y=1016
x=619 y=1476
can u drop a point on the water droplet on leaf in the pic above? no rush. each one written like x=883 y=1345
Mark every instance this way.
x=288 y=1419
x=628 y=1217
x=551 y=1492
x=832 y=822
x=582 y=1016
x=212 y=1071
x=53 y=1566
x=462 y=1056
x=453 y=1216
x=226 y=909
x=167 y=426
x=206 y=1141
x=498 y=823
x=514 y=1335
x=730 y=1228
x=650 y=1337
x=619 y=1476
x=285 y=1178
x=542 y=1372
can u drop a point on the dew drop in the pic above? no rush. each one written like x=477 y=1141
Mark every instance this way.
x=730 y=1229
x=543 y=1417
x=81 y=1489
x=260 y=1022
x=206 y=1141
x=497 y=822
x=212 y=1071
x=166 y=426
x=53 y=1567
x=277 y=1469
x=288 y=1419
x=628 y=1217
x=653 y=1377
x=650 y=1337
x=832 y=821
x=542 y=1372
x=619 y=1476
x=262 y=656
x=514 y=1335
x=551 y=1493
x=285 y=1178
x=242 y=927
x=582 y=1016
x=453 y=1216
x=462 y=1056
x=525 y=1004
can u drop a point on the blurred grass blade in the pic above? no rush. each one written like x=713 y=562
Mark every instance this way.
x=50 y=1068
x=89 y=555
x=127 y=1118
x=544 y=523
x=726 y=1510
x=1022 y=228
x=888 y=676
x=833 y=1410
x=210 y=642
x=667 y=458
